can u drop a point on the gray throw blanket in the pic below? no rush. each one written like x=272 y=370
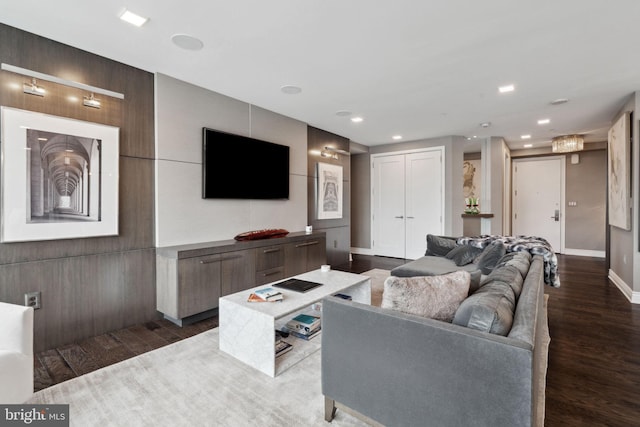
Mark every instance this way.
x=532 y=244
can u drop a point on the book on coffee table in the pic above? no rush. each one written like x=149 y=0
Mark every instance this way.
x=306 y=336
x=304 y=324
x=282 y=347
x=267 y=294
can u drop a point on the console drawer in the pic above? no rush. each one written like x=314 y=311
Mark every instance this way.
x=269 y=257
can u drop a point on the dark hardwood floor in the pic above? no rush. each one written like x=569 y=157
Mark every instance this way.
x=593 y=377
x=63 y=363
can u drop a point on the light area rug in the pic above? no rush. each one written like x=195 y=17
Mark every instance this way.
x=192 y=382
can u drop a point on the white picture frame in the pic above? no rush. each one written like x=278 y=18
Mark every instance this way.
x=619 y=150
x=59 y=177
x=330 y=191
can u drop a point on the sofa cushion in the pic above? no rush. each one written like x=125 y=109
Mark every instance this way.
x=520 y=260
x=439 y=245
x=508 y=274
x=463 y=254
x=490 y=256
x=489 y=309
x=436 y=297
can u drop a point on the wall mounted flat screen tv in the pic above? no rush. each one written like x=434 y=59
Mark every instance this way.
x=239 y=167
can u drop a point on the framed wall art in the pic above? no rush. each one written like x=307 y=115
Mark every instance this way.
x=59 y=177
x=329 y=193
x=618 y=170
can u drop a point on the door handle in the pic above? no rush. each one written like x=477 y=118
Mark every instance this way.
x=410 y=217
x=556 y=216
x=400 y=217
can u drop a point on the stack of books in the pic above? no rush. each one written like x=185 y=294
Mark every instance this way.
x=282 y=347
x=304 y=326
x=265 y=295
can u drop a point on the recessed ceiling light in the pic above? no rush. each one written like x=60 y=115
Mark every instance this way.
x=543 y=121
x=528 y=145
x=356 y=119
x=559 y=101
x=485 y=124
x=525 y=136
x=187 y=42
x=291 y=90
x=133 y=18
x=397 y=137
x=507 y=88
x=343 y=113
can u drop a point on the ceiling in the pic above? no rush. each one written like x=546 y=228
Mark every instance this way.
x=419 y=69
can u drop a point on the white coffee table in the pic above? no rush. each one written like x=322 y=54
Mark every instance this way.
x=247 y=328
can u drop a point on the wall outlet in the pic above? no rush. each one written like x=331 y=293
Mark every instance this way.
x=32 y=299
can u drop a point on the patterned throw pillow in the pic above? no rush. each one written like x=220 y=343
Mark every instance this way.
x=435 y=297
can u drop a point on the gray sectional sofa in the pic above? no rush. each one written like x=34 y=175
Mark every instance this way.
x=401 y=369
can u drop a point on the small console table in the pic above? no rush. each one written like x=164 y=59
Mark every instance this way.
x=471 y=227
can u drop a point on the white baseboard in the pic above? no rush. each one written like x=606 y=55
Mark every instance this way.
x=633 y=297
x=585 y=252
x=362 y=251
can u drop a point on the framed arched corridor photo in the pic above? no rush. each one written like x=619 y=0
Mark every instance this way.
x=59 y=177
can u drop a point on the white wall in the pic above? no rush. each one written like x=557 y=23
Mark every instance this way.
x=182 y=216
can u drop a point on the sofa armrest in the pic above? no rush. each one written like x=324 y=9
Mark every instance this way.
x=16 y=333
x=400 y=369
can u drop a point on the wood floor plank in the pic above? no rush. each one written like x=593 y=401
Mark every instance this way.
x=163 y=332
x=131 y=341
x=41 y=377
x=105 y=350
x=56 y=366
x=77 y=359
x=148 y=336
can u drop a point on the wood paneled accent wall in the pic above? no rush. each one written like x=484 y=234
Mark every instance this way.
x=338 y=230
x=93 y=285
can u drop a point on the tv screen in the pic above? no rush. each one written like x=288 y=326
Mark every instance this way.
x=239 y=167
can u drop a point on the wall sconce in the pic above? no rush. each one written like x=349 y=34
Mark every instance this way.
x=332 y=152
x=33 y=88
x=91 y=101
x=329 y=155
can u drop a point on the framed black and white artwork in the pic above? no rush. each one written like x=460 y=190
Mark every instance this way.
x=329 y=192
x=59 y=177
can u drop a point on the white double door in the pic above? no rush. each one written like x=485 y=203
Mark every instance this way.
x=408 y=202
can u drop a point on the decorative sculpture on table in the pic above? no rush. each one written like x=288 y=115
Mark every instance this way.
x=471 y=205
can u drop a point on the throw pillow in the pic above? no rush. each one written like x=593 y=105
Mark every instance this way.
x=435 y=297
x=490 y=256
x=463 y=254
x=439 y=245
